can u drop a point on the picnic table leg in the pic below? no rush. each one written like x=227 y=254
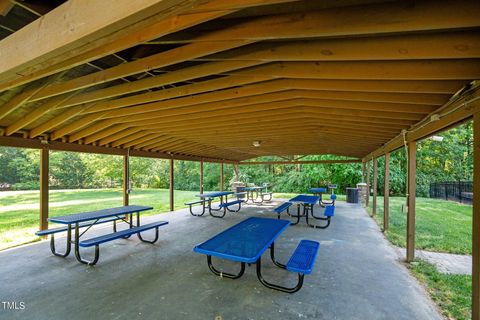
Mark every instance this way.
x=149 y=241
x=272 y=256
x=129 y=222
x=69 y=243
x=297 y=216
x=210 y=209
x=275 y=286
x=257 y=196
x=239 y=207
x=224 y=274
x=77 y=249
x=318 y=218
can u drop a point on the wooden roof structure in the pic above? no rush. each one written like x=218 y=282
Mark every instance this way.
x=203 y=79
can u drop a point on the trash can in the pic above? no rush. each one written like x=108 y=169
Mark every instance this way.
x=352 y=195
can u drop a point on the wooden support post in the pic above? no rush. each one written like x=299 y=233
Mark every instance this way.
x=171 y=186
x=201 y=176
x=476 y=219
x=126 y=180
x=235 y=169
x=363 y=171
x=386 y=192
x=222 y=182
x=375 y=180
x=368 y=184
x=44 y=159
x=411 y=197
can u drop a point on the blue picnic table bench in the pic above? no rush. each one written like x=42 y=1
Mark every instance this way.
x=320 y=192
x=206 y=200
x=307 y=202
x=87 y=220
x=246 y=242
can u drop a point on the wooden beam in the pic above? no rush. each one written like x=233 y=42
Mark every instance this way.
x=301 y=162
x=156 y=61
x=152 y=30
x=375 y=179
x=222 y=182
x=389 y=17
x=386 y=194
x=462 y=107
x=172 y=186
x=201 y=176
x=444 y=45
x=447 y=87
x=421 y=17
x=44 y=186
x=73 y=147
x=450 y=69
x=411 y=197
x=476 y=219
x=368 y=183
x=104 y=21
x=5 y=7
x=126 y=179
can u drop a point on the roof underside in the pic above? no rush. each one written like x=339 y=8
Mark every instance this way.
x=206 y=80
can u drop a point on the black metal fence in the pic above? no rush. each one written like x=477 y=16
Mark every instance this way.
x=460 y=191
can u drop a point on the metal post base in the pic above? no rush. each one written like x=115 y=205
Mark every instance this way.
x=148 y=241
x=224 y=274
x=239 y=207
x=77 y=249
x=277 y=287
x=197 y=214
x=87 y=262
x=327 y=219
x=69 y=244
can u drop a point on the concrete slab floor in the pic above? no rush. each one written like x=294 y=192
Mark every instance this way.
x=356 y=276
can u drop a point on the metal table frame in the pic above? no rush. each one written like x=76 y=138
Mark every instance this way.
x=73 y=220
x=209 y=196
x=251 y=227
x=307 y=202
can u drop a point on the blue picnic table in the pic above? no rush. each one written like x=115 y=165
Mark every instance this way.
x=89 y=219
x=308 y=202
x=247 y=241
x=207 y=199
x=253 y=193
x=321 y=191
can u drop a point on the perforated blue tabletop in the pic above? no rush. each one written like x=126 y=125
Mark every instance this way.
x=244 y=242
x=253 y=188
x=305 y=199
x=214 y=194
x=93 y=215
x=318 y=190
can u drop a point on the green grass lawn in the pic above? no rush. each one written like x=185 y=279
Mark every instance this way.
x=452 y=293
x=442 y=226
x=19 y=210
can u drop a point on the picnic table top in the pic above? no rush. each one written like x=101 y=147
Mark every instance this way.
x=305 y=199
x=318 y=190
x=214 y=194
x=253 y=188
x=98 y=214
x=244 y=242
